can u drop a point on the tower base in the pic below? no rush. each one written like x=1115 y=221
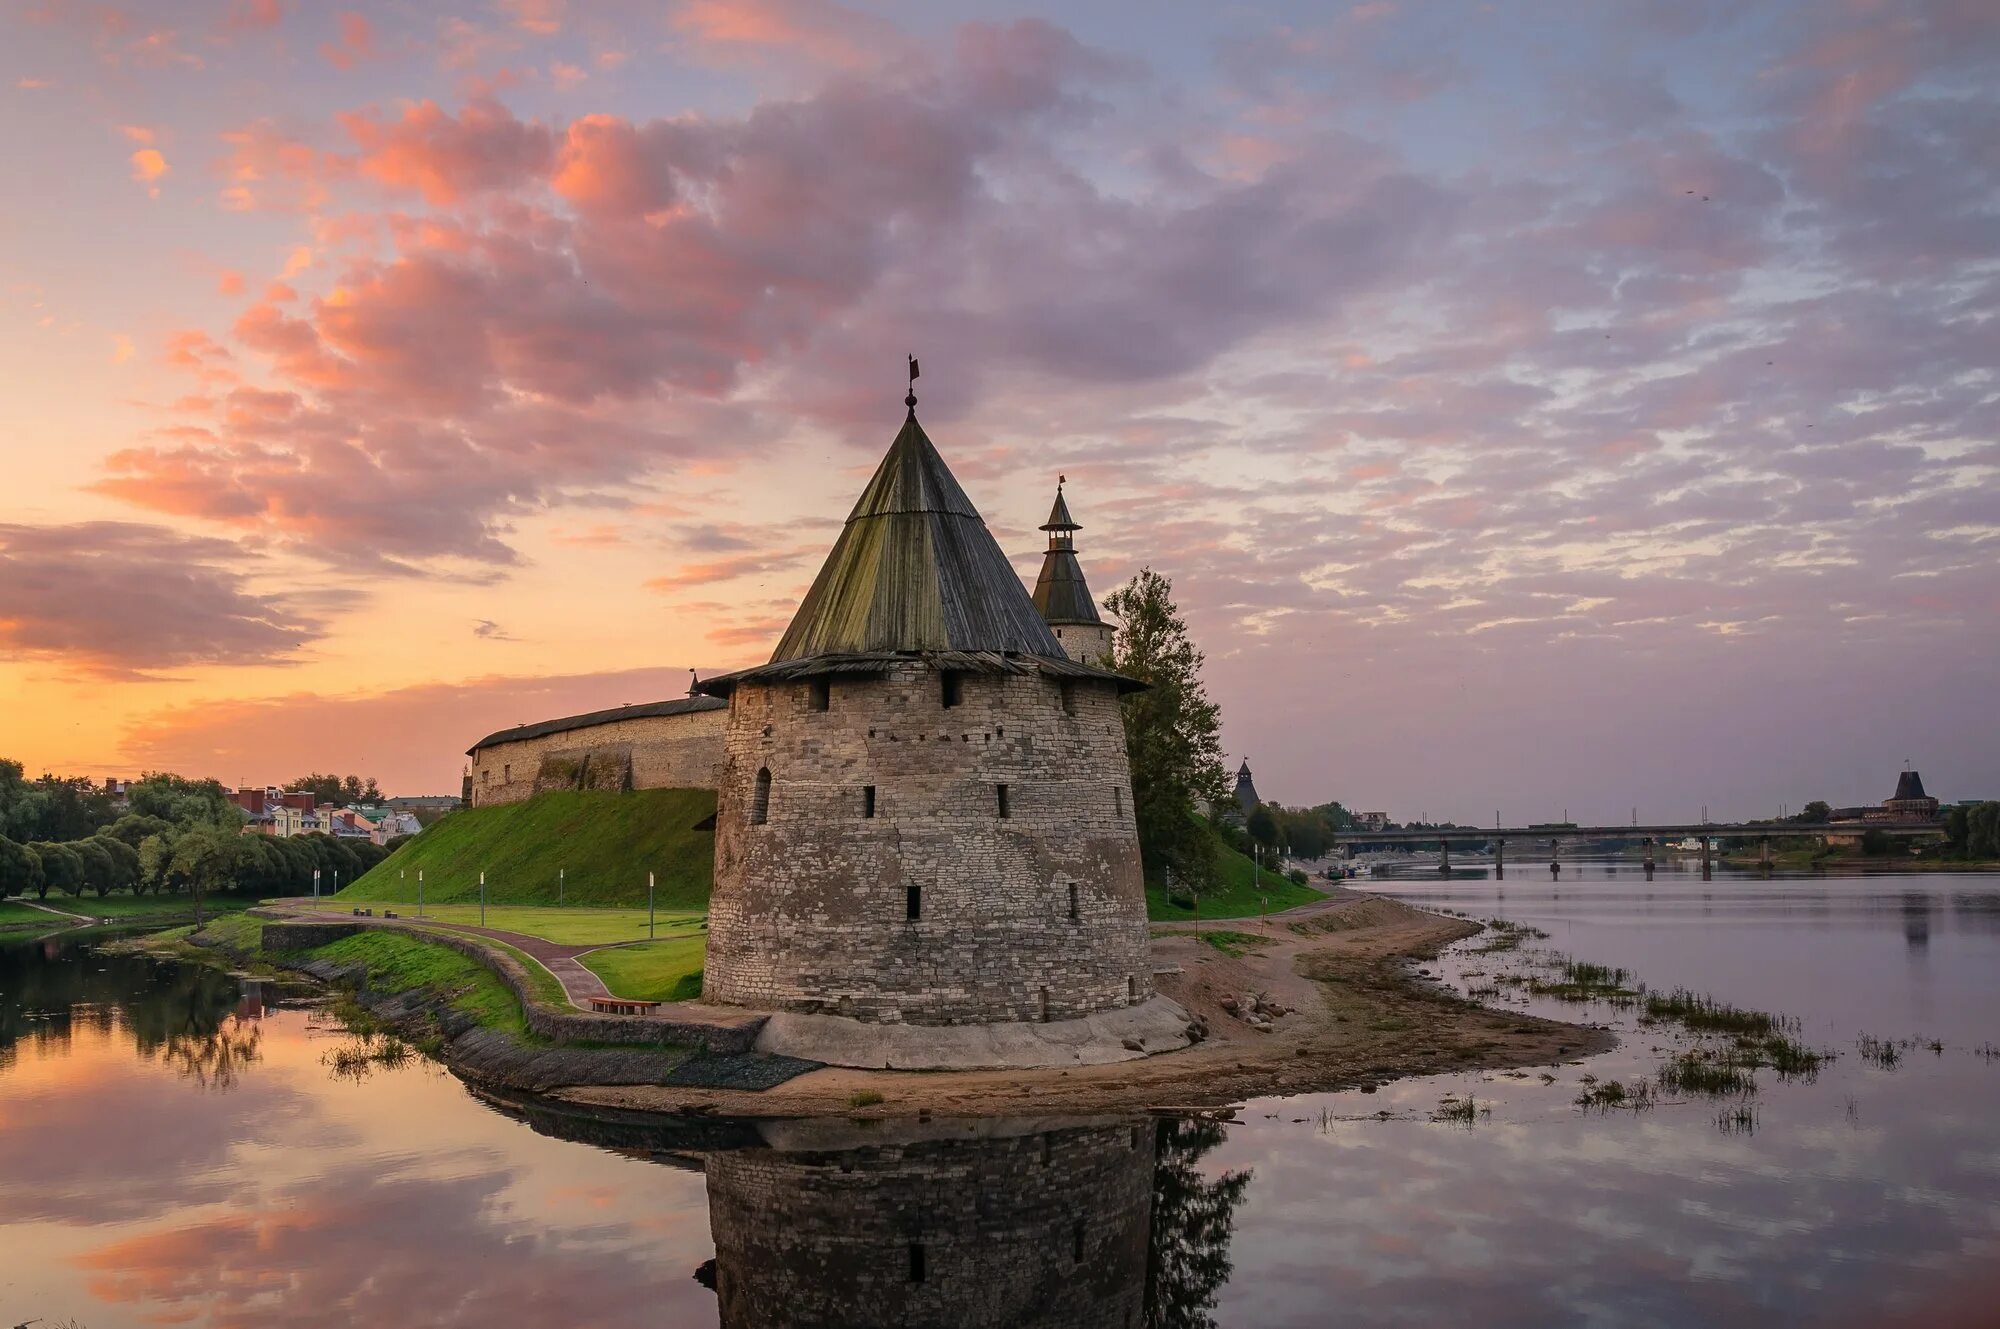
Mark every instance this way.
x=1156 y=1025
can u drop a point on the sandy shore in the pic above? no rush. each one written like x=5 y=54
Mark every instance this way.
x=1360 y=1016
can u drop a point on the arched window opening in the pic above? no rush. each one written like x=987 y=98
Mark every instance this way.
x=760 y=798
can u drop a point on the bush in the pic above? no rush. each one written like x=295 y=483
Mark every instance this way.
x=1298 y=876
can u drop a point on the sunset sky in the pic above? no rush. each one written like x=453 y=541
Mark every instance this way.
x=1536 y=406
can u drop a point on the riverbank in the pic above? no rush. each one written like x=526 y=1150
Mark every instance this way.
x=1345 y=972
x=1329 y=995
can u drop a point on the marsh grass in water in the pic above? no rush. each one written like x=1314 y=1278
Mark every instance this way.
x=1580 y=981
x=1636 y=1097
x=1701 y=1071
x=354 y=1061
x=1738 y=1119
x=1459 y=1111
x=1706 y=1015
x=1507 y=936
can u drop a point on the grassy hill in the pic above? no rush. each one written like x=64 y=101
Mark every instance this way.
x=1239 y=887
x=606 y=843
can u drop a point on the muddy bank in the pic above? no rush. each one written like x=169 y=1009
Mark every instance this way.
x=1343 y=970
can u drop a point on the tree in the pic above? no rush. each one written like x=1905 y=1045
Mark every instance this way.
x=1817 y=813
x=1193 y=1218
x=1263 y=827
x=100 y=873
x=134 y=827
x=20 y=869
x=156 y=853
x=124 y=861
x=336 y=789
x=184 y=802
x=1173 y=732
x=1982 y=831
x=206 y=859
x=61 y=868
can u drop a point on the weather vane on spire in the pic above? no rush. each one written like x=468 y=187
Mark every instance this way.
x=911 y=400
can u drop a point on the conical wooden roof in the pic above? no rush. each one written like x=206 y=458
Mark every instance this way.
x=915 y=569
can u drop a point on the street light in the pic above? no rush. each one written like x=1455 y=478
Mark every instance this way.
x=420 y=892
x=482 y=899
x=649 y=905
x=560 y=874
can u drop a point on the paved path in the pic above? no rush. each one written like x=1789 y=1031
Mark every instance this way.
x=59 y=913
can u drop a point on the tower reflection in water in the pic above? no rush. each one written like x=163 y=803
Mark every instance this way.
x=946 y=1223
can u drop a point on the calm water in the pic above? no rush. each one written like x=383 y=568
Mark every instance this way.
x=173 y=1153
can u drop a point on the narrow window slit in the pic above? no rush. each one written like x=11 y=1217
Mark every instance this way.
x=916 y=1262
x=913 y=903
x=822 y=694
x=1000 y=793
x=868 y=800
x=1072 y=900
x=760 y=798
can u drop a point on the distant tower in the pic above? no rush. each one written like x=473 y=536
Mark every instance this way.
x=1246 y=789
x=1910 y=802
x=1062 y=596
x=925 y=810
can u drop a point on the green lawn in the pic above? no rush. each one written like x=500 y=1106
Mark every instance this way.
x=1241 y=892
x=565 y=927
x=126 y=906
x=398 y=963
x=14 y=914
x=606 y=843
x=653 y=970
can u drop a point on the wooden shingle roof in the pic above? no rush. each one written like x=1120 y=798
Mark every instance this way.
x=915 y=569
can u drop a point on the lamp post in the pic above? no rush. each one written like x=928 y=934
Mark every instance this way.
x=420 y=892
x=482 y=899
x=315 y=883
x=649 y=905
x=560 y=874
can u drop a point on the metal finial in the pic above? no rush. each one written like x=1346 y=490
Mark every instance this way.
x=911 y=400
x=1061 y=480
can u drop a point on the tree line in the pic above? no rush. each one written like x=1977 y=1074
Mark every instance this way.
x=174 y=835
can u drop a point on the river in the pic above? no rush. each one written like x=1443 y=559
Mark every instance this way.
x=174 y=1150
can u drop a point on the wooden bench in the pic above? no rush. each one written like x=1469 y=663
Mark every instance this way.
x=621 y=1005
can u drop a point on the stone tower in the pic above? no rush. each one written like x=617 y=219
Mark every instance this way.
x=925 y=813
x=1246 y=789
x=1003 y=1229
x=1062 y=596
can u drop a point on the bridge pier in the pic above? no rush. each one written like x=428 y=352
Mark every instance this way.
x=1499 y=860
x=1555 y=858
x=1764 y=852
x=1444 y=858
x=1707 y=860
x=1649 y=857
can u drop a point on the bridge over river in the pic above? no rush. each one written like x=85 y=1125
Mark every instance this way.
x=1763 y=832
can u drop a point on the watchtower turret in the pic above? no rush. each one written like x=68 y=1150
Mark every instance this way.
x=1063 y=597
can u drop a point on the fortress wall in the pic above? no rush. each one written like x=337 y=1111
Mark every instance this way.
x=1042 y=1231
x=811 y=908
x=666 y=752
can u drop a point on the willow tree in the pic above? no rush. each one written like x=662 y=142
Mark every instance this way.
x=1173 y=732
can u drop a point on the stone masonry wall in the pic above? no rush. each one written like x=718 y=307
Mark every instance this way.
x=667 y=752
x=811 y=908
x=1086 y=643
x=1042 y=1231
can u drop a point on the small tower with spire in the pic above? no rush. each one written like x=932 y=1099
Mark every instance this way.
x=1062 y=595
